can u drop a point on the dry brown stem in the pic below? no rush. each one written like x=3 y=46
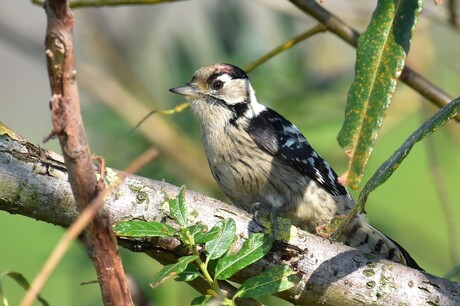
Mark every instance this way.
x=68 y=127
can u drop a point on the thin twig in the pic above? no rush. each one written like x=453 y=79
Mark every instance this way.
x=335 y=25
x=166 y=136
x=142 y=160
x=177 y=109
x=285 y=46
x=63 y=245
x=253 y=65
x=79 y=226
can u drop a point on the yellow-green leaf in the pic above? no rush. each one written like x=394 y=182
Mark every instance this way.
x=138 y=228
x=438 y=120
x=252 y=250
x=276 y=279
x=172 y=270
x=178 y=209
x=381 y=54
x=217 y=247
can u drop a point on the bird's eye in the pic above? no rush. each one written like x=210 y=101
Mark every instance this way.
x=217 y=85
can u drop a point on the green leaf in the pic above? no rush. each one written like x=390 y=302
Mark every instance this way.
x=209 y=235
x=435 y=122
x=252 y=250
x=143 y=229
x=276 y=279
x=190 y=273
x=185 y=233
x=217 y=247
x=438 y=120
x=201 y=300
x=21 y=281
x=178 y=209
x=381 y=54
x=196 y=229
x=171 y=270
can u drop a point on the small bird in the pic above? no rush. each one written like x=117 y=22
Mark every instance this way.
x=258 y=157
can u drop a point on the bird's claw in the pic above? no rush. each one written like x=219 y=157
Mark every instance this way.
x=255 y=210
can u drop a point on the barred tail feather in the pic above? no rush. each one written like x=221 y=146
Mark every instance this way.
x=363 y=236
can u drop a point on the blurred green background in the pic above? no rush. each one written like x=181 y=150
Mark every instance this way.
x=145 y=50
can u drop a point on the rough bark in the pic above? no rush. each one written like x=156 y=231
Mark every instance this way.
x=34 y=183
x=68 y=127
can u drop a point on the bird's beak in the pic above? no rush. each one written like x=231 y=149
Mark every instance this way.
x=188 y=91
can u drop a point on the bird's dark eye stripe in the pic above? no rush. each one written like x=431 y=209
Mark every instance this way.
x=233 y=71
x=214 y=76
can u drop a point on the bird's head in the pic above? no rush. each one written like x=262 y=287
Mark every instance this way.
x=221 y=90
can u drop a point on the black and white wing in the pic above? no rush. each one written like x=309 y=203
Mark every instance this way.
x=278 y=136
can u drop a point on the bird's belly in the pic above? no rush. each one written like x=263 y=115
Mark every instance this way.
x=277 y=186
x=239 y=181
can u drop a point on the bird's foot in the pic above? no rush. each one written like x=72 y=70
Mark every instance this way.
x=259 y=207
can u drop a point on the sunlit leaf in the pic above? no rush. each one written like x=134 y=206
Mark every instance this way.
x=218 y=246
x=381 y=54
x=143 y=229
x=178 y=209
x=254 y=248
x=438 y=120
x=209 y=235
x=276 y=279
x=171 y=270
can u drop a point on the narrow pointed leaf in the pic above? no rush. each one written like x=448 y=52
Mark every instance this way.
x=21 y=281
x=217 y=247
x=252 y=250
x=435 y=122
x=209 y=235
x=381 y=54
x=438 y=120
x=143 y=229
x=171 y=270
x=178 y=209
x=276 y=279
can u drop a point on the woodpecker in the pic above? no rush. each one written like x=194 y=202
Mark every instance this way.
x=258 y=157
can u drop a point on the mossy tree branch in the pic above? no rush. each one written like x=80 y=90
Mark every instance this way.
x=34 y=183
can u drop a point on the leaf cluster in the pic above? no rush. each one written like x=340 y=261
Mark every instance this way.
x=210 y=256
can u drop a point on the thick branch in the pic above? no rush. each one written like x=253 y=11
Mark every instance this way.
x=34 y=183
x=68 y=126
